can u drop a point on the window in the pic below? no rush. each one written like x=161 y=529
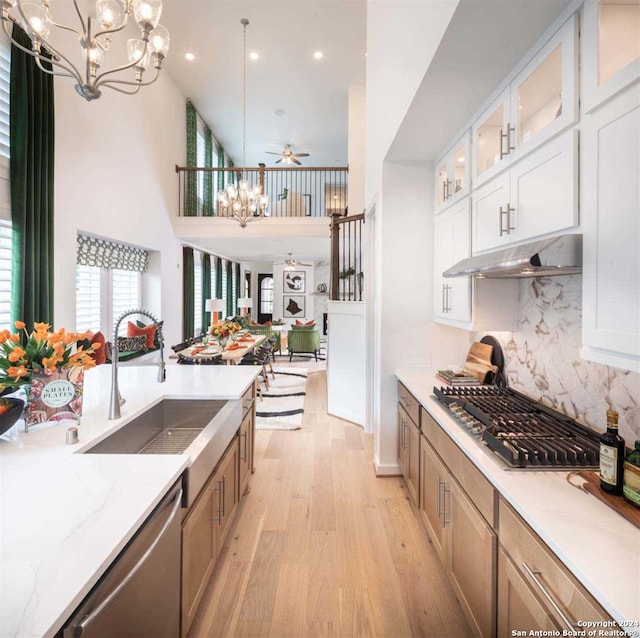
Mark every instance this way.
x=197 y=292
x=5 y=79
x=102 y=295
x=200 y=162
x=5 y=275
x=223 y=274
x=88 y=315
x=234 y=285
x=124 y=293
x=266 y=296
x=213 y=276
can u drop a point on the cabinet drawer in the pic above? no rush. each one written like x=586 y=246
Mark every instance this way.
x=479 y=490
x=409 y=403
x=550 y=578
x=247 y=400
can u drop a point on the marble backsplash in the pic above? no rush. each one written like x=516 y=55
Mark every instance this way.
x=542 y=359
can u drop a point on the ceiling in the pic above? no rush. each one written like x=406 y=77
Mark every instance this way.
x=312 y=93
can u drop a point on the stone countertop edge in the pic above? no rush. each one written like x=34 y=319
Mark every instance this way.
x=73 y=513
x=594 y=542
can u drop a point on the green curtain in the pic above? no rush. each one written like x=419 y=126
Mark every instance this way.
x=208 y=176
x=188 y=292
x=233 y=176
x=220 y=152
x=218 y=267
x=206 y=288
x=191 y=179
x=230 y=309
x=32 y=139
x=238 y=295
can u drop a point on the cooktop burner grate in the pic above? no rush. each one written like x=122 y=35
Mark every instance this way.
x=524 y=432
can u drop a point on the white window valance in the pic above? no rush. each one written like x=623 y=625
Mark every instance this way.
x=93 y=251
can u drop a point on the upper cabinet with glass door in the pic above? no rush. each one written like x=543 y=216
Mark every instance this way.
x=539 y=103
x=610 y=49
x=452 y=173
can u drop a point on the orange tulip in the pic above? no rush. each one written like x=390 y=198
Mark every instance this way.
x=17 y=371
x=19 y=325
x=4 y=335
x=49 y=363
x=15 y=338
x=16 y=354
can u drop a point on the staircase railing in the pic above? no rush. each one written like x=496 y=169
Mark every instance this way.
x=292 y=192
x=347 y=257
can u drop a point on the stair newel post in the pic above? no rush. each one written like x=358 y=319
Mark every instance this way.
x=335 y=255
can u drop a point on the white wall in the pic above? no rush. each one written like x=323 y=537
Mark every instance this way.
x=402 y=37
x=115 y=177
x=406 y=333
x=346 y=352
x=279 y=293
x=356 y=146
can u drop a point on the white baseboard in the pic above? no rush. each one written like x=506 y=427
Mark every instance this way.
x=386 y=470
x=347 y=416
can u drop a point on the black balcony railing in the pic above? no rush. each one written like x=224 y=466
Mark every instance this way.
x=292 y=192
x=347 y=257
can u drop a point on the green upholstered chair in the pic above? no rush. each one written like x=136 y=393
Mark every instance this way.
x=304 y=339
x=268 y=332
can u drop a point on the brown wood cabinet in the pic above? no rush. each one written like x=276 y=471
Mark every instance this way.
x=535 y=584
x=199 y=552
x=207 y=523
x=462 y=538
x=409 y=453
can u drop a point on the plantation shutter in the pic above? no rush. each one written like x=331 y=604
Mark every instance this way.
x=125 y=293
x=5 y=275
x=88 y=298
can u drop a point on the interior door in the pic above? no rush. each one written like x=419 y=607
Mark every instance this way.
x=265 y=297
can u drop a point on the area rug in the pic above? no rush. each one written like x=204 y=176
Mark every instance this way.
x=282 y=405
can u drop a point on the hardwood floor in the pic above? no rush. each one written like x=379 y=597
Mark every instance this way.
x=321 y=547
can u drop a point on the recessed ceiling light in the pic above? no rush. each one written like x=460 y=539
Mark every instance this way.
x=461 y=160
x=253 y=55
x=279 y=111
x=318 y=55
x=189 y=56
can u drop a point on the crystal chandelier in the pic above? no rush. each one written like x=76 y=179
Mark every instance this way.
x=241 y=202
x=95 y=34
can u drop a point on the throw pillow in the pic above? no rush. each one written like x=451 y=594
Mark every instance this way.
x=305 y=323
x=148 y=331
x=127 y=344
x=100 y=355
x=156 y=338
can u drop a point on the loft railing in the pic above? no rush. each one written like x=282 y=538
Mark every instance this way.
x=292 y=192
x=347 y=257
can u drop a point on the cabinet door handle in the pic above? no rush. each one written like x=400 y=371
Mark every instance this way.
x=448 y=183
x=444 y=190
x=510 y=129
x=404 y=403
x=534 y=575
x=443 y=301
x=502 y=138
x=510 y=210
x=503 y=230
x=440 y=484
x=244 y=435
x=448 y=308
x=219 y=490
x=445 y=491
x=404 y=423
x=222 y=497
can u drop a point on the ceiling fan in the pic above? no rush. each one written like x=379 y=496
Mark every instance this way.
x=287 y=156
x=292 y=263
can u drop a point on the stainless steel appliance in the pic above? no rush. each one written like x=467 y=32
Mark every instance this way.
x=522 y=432
x=139 y=595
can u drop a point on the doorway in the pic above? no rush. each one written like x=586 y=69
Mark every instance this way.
x=265 y=297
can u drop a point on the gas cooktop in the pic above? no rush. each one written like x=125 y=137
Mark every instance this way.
x=523 y=432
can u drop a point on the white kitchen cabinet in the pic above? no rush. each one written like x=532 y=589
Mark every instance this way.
x=453 y=179
x=538 y=104
x=610 y=49
x=611 y=222
x=452 y=243
x=536 y=196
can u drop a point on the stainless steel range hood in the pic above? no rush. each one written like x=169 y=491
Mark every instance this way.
x=543 y=258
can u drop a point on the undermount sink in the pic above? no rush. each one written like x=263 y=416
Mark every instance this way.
x=201 y=428
x=169 y=427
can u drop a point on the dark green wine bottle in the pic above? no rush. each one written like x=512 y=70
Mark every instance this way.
x=611 y=456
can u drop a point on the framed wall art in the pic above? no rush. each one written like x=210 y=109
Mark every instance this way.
x=294 y=281
x=293 y=306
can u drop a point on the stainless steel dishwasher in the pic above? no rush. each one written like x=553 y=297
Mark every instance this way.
x=139 y=595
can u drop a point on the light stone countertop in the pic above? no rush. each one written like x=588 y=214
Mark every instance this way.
x=65 y=516
x=600 y=547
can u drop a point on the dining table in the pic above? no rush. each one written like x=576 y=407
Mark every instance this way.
x=231 y=354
